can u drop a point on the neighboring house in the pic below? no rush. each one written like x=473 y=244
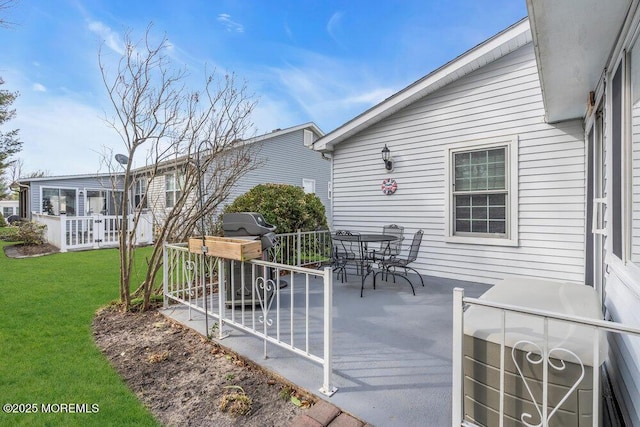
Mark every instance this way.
x=288 y=158
x=73 y=195
x=497 y=190
x=284 y=155
x=520 y=157
x=9 y=207
x=79 y=211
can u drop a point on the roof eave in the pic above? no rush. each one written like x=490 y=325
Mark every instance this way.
x=573 y=41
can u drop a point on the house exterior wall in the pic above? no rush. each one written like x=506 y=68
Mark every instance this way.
x=78 y=183
x=500 y=101
x=286 y=160
x=622 y=266
x=9 y=207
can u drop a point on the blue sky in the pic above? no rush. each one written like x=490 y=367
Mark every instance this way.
x=305 y=61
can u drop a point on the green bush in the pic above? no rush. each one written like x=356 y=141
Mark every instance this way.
x=287 y=207
x=3 y=223
x=9 y=234
x=31 y=233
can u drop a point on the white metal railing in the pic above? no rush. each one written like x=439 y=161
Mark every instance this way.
x=302 y=248
x=251 y=297
x=551 y=358
x=91 y=232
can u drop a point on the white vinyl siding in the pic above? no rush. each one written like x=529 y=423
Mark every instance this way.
x=500 y=100
x=284 y=159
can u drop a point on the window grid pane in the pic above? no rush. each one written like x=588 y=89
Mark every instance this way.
x=485 y=213
x=480 y=191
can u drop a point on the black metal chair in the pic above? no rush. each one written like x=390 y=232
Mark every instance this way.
x=392 y=264
x=338 y=260
x=346 y=251
x=389 y=249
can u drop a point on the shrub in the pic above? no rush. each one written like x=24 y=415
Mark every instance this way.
x=9 y=234
x=31 y=233
x=287 y=207
x=3 y=223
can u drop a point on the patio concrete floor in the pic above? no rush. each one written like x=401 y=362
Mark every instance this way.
x=391 y=353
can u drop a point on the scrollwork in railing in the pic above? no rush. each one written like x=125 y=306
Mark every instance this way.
x=537 y=357
x=265 y=289
x=190 y=277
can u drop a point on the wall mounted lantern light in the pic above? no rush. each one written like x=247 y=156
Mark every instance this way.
x=386 y=158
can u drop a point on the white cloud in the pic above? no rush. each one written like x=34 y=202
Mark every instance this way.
x=330 y=92
x=62 y=136
x=38 y=87
x=111 y=38
x=270 y=114
x=334 y=24
x=231 y=26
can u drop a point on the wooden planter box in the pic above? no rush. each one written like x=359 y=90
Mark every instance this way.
x=227 y=247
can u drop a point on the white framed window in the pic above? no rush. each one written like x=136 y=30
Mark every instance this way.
x=481 y=182
x=139 y=192
x=173 y=188
x=309 y=185
x=56 y=201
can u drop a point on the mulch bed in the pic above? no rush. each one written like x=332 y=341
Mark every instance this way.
x=183 y=378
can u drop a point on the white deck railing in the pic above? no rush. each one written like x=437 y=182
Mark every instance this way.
x=537 y=350
x=252 y=297
x=91 y=232
x=302 y=248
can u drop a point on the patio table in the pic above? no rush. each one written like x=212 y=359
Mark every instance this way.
x=365 y=239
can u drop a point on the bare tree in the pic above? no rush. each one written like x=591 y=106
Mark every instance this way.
x=6 y=5
x=194 y=136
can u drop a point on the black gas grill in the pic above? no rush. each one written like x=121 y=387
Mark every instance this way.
x=247 y=225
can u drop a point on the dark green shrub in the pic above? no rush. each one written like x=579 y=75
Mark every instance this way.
x=3 y=223
x=287 y=207
x=31 y=233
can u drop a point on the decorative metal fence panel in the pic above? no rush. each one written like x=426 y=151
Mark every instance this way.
x=284 y=305
x=302 y=248
x=535 y=381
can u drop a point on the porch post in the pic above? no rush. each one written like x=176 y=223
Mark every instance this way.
x=63 y=232
x=165 y=276
x=327 y=389
x=221 y=297
x=457 y=390
x=299 y=249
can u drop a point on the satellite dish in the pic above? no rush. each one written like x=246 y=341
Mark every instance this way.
x=122 y=159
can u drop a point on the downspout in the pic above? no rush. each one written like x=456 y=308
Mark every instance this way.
x=27 y=201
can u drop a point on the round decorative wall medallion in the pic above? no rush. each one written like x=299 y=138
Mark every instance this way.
x=389 y=186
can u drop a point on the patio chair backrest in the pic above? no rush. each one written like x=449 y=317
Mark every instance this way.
x=349 y=248
x=396 y=245
x=415 y=246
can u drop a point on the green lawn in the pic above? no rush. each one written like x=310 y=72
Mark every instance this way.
x=47 y=353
